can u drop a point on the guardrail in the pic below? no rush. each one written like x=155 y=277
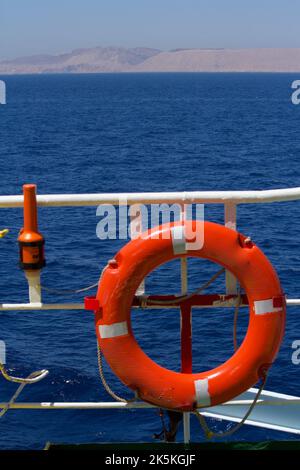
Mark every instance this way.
x=230 y=200
x=187 y=197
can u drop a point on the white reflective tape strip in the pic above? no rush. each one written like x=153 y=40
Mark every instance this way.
x=114 y=330
x=178 y=240
x=265 y=306
x=202 y=393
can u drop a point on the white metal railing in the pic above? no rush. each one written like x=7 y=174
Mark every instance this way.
x=230 y=200
x=187 y=197
x=80 y=306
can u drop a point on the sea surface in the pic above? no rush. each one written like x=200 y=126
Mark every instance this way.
x=126 y=133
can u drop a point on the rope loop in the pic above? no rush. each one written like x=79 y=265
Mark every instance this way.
x=209 y=434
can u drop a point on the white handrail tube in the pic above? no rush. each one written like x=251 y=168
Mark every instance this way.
x=80 y=306
x=187 y=197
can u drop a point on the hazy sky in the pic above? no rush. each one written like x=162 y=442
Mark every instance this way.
x=54 y=26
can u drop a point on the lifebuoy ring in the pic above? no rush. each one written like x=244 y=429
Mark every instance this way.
x=166 y=388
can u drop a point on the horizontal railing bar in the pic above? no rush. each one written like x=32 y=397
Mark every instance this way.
x=131 y=405
x=41 y=306
x=76 y=405
x=293 y=301
x=295 y=401
x=195 y=300
x=189 y=197
x=80 y=306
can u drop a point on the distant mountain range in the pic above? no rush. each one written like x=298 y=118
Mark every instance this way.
x=141 y=59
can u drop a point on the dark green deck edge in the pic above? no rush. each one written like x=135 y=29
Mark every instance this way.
x=148 y=447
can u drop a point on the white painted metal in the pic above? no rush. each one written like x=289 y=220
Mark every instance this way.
x=269 y=399
x=230 y=215
x=41 y=306
x=183 y=261
x=279 y=411
x=283 y=418
x=230 y=222
x=76 y=405
x=138 y=219
x=80 y=306
x=189 y=197
x=293 y=301
x=184 y=290
x=34 y=286
x=186 y=427
x=251 y=422
x=275 y=411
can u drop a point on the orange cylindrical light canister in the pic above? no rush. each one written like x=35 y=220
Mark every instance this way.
x=31 y=242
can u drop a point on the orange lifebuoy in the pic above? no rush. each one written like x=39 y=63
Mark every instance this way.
x=182 y=391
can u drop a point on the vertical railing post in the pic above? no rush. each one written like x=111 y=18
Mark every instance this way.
x=186 y=359
x=186 y=335
x=138 y=220
x=230 y=222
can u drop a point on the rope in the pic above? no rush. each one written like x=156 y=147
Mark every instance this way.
x=163 y=433
x=145 y=302
x=99 y=352
x=144 y=299
x=208 y=432
x=68 y=291
x=76 y=291
x=100 y=363
x=211 y=434
x=103 y=379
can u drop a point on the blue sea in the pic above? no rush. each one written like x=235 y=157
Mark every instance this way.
x=126 y=133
